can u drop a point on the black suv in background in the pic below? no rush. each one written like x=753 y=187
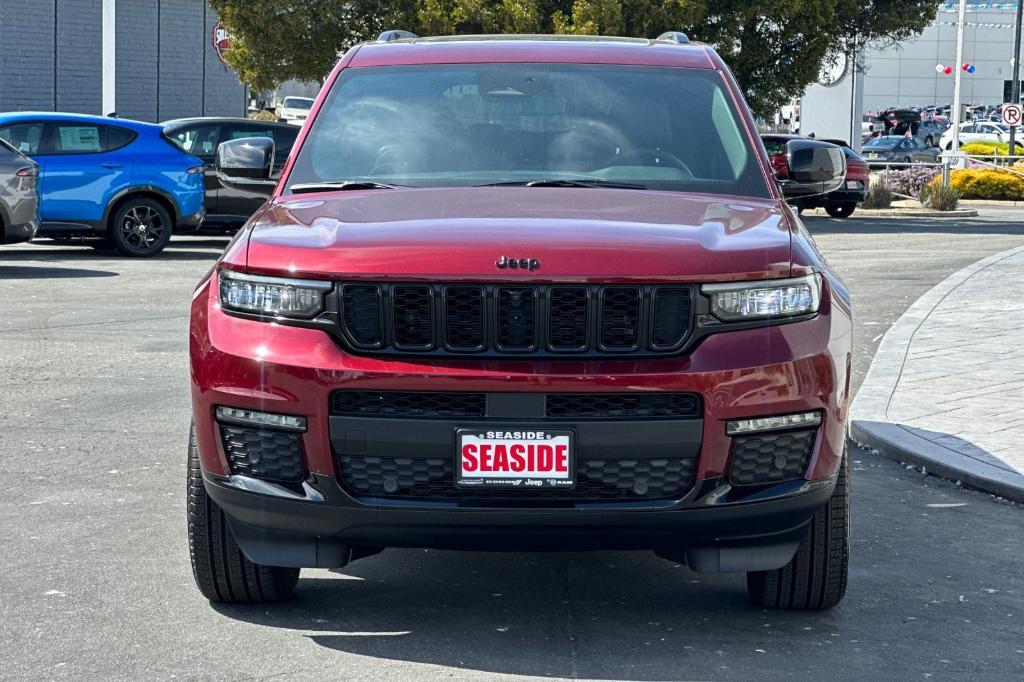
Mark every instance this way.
x=227 y=206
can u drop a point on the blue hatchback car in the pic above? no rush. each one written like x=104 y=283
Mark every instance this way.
x=120 y=181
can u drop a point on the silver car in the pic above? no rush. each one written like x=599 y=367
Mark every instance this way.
x=19 y=199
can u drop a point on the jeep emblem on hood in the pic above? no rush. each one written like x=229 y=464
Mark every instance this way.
x=517 y=263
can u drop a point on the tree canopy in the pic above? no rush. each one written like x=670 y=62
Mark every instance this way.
x=774 y=47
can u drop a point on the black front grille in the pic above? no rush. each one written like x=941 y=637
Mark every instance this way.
x=596 y=480
x=263 y=453
x=576 y=406
x=408 y=404
x=771 y=457
x=555 y=320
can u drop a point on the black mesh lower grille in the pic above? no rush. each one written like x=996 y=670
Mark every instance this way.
x=579 y=406
x=408 y=404
x=771 y=457
x=616 y=405
x=596 y=480
x=263 y=453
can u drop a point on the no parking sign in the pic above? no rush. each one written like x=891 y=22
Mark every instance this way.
x=1011 y=114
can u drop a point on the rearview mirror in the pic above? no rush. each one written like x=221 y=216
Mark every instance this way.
x=814 y=168
x=248 y=160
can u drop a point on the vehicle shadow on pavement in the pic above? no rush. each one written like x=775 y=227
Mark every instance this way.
x=825 y=225
x=601 y=615
x=44 y=272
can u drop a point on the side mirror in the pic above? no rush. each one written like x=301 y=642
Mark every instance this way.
x=814 y=168
x=246 y=161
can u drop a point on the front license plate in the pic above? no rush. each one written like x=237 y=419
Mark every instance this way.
x=515 y=457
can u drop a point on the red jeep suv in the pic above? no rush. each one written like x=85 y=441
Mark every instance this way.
x=518 y=293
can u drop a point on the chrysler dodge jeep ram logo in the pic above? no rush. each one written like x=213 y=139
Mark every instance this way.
x=517 y=263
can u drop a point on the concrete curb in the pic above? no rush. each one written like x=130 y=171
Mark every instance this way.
x=871 y=426
x=902 y=213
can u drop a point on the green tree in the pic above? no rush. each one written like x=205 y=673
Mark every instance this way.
x=774 y=47
x=276 y=40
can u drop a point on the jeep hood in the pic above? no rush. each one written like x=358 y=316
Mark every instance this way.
x=575 y=234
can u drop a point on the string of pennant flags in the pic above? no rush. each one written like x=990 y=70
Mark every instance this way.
x=973 y=24
x=979 y=6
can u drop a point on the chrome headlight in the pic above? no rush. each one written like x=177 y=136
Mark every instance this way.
x=272 y=296
x=764 y=299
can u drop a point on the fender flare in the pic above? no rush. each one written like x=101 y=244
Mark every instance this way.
x=142 y=189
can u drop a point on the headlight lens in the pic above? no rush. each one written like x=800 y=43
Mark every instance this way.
x=275 y=296
x=766 y=299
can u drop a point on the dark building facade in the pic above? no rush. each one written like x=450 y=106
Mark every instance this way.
x=165 y=64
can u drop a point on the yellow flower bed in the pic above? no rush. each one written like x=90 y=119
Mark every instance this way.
x=986 y=183
x=991 y=148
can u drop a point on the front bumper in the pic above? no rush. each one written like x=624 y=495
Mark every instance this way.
x=254 y=365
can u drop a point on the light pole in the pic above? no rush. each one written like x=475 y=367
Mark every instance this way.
x=957 y=71
x=1015 y=77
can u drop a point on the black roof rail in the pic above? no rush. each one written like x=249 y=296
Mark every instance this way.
x=388 y=36
x=675 y=37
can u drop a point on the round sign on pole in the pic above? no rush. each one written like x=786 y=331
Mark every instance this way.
x=221 y=41
x=1012 y=114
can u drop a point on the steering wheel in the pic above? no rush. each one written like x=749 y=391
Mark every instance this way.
x=649 y=154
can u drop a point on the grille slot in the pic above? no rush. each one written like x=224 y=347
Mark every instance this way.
x=464 y=318
x=362 y=314
x=534 y=320
x=671 y=319
x=412 y=314
x=568 y=318
x=771 y=457
x=263 y=453
x=596 y=480
x=616 y=405
x=517 y=318
x=408 y=404
x=620 y=318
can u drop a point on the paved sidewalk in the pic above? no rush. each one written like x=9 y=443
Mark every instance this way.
x=946 y=388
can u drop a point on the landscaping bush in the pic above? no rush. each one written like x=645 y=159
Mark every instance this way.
x=879 y=196
x=909 y=181
x=263 y=115
x=990 y=148
x=939 y=198
x=986 y=183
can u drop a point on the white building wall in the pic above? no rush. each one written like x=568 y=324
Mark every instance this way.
x=905 y=76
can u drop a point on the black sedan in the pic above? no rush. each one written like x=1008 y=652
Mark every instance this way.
x=895 y=149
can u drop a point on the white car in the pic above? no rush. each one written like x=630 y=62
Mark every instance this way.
x=976 y=131
x=294 y=110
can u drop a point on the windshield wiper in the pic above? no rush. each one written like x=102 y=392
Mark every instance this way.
x=555 y=182
x=339 y=186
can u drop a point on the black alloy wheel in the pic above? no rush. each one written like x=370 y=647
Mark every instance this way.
x=140 y=228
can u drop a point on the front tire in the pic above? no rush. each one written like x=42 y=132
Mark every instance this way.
x=140 y=228
x=222 y=572
x=840 y=210
x=815 y=578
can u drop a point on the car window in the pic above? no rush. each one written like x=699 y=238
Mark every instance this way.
x=471 y=124
x=774 y=146
x=284 y=139
x=25 y=137
x=117 y=137
x=77 y=138
x=199 y=140
x=969 y=128
x=297 y=103
x=237 y=132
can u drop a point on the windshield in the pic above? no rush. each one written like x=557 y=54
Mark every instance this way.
x=474 y=124
x=297 y=103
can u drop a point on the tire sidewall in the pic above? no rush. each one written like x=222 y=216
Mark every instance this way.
x=117 y=238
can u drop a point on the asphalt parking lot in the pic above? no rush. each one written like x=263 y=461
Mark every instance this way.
x=96 y=581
